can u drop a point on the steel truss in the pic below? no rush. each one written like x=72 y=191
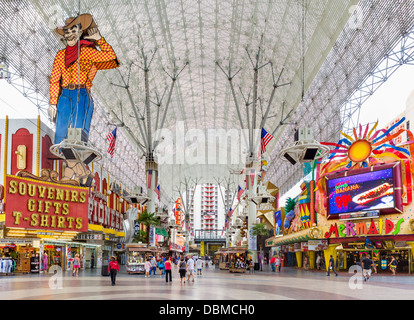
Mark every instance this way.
x=402 y=54
x=362 y=59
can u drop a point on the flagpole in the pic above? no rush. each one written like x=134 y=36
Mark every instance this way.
x=252 y=240
x=152 y=173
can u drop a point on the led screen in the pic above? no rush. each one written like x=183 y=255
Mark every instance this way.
x=373 y=190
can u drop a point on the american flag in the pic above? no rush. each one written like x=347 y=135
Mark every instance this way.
x=252 y=176
x=226 y=224
x=266 y=138
x=149 y=178
x=230 y=212
x=239 y=193
x=157 y=191
x=112 y=139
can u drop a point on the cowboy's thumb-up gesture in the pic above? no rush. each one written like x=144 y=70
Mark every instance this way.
x=93 y=34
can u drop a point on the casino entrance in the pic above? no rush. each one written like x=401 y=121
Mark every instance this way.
x=351 y=254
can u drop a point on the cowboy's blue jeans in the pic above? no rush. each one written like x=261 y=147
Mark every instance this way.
x=73 y=114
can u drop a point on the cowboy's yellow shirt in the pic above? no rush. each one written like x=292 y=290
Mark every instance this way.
x=91 y=60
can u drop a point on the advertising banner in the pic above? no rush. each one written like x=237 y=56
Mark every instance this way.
x=45 y=206
x=279 y=217
x=367 y=191
x=304 y=247
x=317 y=245
x=252 y=240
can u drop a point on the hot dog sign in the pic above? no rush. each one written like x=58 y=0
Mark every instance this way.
x=365 y=190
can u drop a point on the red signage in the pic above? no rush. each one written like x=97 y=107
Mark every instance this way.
x=32 y=204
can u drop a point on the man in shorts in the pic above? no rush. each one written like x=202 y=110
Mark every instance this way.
x=190 y=268
x=366 y=267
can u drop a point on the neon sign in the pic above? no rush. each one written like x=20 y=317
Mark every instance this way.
x=351 y=229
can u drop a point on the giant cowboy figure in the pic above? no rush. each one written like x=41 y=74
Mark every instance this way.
x=74 y=69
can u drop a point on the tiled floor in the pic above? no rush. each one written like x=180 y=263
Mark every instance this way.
x=214 y=284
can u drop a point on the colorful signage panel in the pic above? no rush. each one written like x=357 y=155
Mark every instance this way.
x=279 y=217
x=366 y=189
x=364 y=228
x=45 y=206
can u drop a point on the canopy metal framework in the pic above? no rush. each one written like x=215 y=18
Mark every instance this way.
x=185 y=44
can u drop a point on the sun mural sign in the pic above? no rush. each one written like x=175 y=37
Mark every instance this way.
x=367 y=171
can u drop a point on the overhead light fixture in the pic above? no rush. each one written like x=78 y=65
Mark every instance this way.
x=305 y=148
x=74 y=147
x=262 y=196
x=137 y=196
x=289 y=158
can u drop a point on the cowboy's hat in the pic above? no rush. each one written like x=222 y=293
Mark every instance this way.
x=85 y=20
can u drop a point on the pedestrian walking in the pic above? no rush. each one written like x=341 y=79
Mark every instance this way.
x=190 y=268
x=76 y=265
x=331 y=267
x=278 y=263
x=393 y=265
x=147 y=267
x=45 y=262
x=182 y=270
x=113 y=269
x=366 y=267
x=273 y=263
x=168 y=274
x=153 y=269
x=318 y=262
x=199 y=266
x=161 y=267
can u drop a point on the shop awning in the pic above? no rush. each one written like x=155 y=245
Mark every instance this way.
x=161 y=232
x=300 y=236
x=72 y=244
x=233 y=250
x=140 y=249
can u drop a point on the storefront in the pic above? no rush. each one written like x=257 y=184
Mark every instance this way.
x=381 y=250
x=41 y=220
x=16 y=255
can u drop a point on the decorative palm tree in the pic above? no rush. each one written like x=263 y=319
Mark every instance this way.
x=260 y=229
x=141 y=237
x=148 y=220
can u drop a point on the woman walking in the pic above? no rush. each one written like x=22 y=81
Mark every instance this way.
x=161 y=266
x=167 y=266
x=182 y=270
x=393 y=265
x=147 y=267
x=76 y=265
x=113 y=269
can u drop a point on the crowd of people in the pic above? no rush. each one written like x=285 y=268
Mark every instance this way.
x=187 y=267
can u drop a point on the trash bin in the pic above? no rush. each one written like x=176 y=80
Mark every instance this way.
x=34 y=265
x=105 y=265
x=256 y=266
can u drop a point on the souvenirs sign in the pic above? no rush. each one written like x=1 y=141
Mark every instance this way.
x=41 y=205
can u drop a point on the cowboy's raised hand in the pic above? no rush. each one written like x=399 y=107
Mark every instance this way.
x=52 y=111
x=94 y=34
